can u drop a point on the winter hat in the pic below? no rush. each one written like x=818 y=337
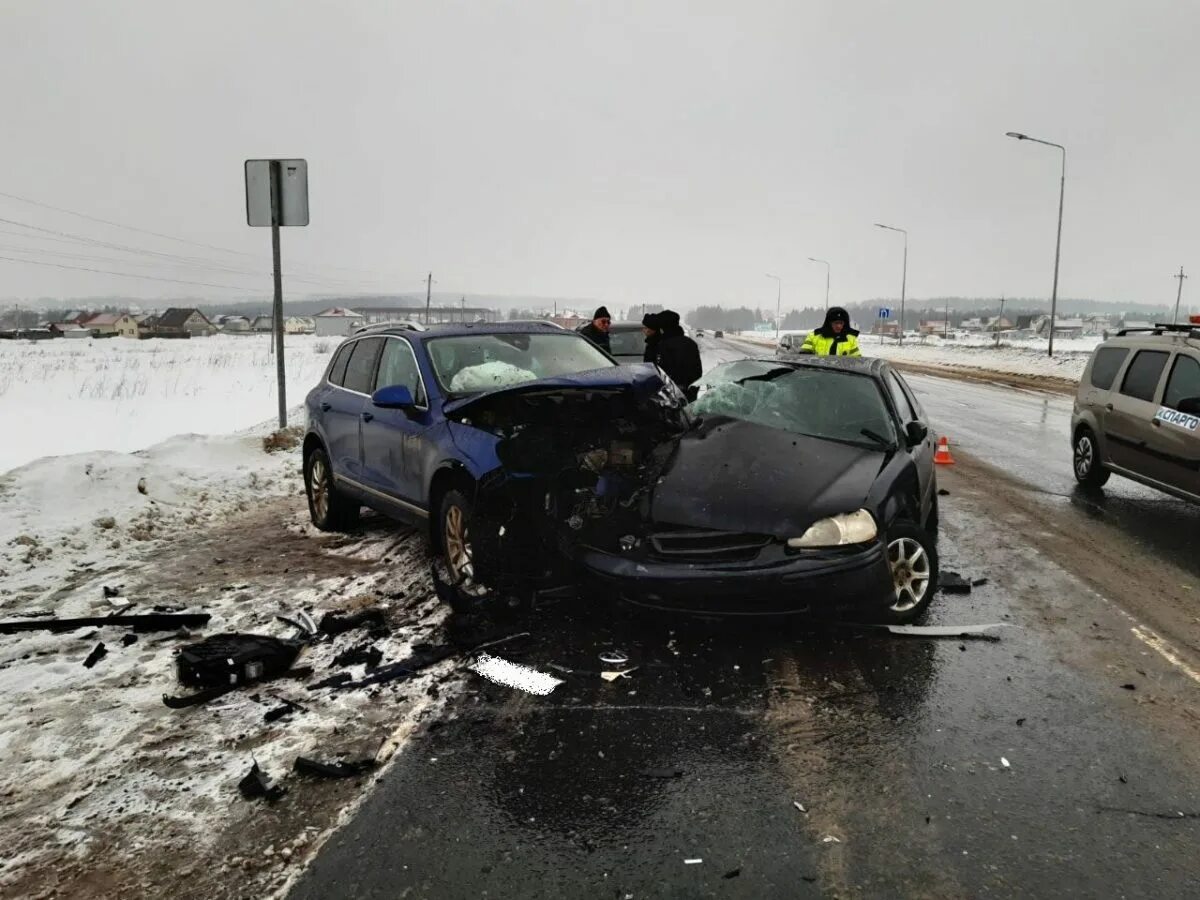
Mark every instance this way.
x=650 y=320
x=601 y=313
x=668 y=318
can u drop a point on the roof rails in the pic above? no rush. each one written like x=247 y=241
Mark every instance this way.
x=1188 y=330
x=404 y=325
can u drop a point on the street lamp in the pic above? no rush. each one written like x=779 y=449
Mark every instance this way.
x=827 y=268
x=778 y=297
x=903 y=276
x=1062 y=184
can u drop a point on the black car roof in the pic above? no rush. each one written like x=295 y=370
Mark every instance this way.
x=862 y=365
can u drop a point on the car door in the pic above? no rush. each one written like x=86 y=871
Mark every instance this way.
x=1096 y=389
x=391 y=438
x=908 y=410
x=1174 y=444
x=1129 y=420
x=347 y=404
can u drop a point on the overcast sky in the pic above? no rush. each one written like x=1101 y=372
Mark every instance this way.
x=671 y=152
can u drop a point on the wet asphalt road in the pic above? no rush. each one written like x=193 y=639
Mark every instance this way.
x=896 y=748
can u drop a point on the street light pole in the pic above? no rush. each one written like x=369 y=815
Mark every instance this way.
x=778 y=299
x=1062 y=187
x=827 y=268
x=903 y=276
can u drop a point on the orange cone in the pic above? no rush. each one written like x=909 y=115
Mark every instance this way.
x=942 y=457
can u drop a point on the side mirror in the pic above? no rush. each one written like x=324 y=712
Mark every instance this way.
x=1190 y=405
x=396 y=396
x=916 y=432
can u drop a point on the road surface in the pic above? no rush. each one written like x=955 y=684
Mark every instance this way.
x=1062 y=759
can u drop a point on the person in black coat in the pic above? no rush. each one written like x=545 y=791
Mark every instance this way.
x=596 y=330
x=650 y=330
x=676 y=353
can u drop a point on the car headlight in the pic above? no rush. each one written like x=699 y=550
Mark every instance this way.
x=837 y=531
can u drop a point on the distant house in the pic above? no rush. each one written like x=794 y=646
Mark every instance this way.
x=298 y=325
x=234 y=324
x=262 y=323
x=104 y=324
x=69 y=330
x=1068 y=328
x=337 y=321
x=975 y=324
x=1136 y=323
x=180 y=322
x=934 y=326
x=886 y=327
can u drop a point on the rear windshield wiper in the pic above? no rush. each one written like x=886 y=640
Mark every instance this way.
x=877 y=438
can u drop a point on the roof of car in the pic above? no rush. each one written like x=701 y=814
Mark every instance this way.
x=863 y=365
x=1151 y=337
x=460 y=329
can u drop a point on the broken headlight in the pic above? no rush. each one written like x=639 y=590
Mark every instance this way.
x=837 y=531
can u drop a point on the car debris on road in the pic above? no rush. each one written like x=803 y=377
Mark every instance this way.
x=514 y=675
x=140 y=622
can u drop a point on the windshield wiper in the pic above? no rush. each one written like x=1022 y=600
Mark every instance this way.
x=877 y=438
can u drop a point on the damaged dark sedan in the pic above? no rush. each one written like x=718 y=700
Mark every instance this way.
x=543 y=467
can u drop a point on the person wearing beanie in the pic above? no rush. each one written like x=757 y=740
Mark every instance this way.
x=650 y=330
x=596 y=331
x=675 y=352
x=834 y=338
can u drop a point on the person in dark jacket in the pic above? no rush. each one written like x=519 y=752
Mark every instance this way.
x=834 y=338
x=677 y=354
x=596 y=331
x=650 y=330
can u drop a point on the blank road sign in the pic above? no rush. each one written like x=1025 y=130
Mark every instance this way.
x=293 y=192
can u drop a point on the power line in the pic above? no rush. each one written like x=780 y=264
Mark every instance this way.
x=32 y=262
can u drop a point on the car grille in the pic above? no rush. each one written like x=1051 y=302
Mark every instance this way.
x=701 y=545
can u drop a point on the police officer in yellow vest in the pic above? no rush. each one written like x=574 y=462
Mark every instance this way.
x=834 y=338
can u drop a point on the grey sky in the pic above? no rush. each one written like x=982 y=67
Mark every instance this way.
x=663 y=151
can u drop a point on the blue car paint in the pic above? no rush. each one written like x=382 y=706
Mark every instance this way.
x=388 y=459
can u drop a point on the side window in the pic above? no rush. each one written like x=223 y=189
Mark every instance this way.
x=1106 y=365
x=398 y=365
x=1184 y=382
x=918 y=413
x=360 y=373
x=903 y=408
x=1141 y=379
x=337 y=371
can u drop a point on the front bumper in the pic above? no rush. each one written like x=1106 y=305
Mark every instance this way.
x=829 y=583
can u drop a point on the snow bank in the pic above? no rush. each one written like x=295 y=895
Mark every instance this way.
x=61 y=397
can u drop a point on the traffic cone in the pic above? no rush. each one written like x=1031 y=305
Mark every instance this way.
x=942 y=457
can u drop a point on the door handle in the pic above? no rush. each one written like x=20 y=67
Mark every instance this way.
x=326 y=407
x=1156 y=423
x=367 y=417
x=1108 y=406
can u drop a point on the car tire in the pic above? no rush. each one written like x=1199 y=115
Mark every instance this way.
x=913 y=559
x=455 y=516
x=328 y=507
x=1089 y=470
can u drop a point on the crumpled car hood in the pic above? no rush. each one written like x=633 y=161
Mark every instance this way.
x=641 y=379
x=738 y=476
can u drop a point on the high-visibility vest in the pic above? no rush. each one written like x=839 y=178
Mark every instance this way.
x=822 y=346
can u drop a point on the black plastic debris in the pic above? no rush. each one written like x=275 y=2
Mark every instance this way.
x=97 y=654
x=274 y=715
x=111 y=591
x=942 y=492
x=129 y=639
x=230 y=660
x=302 y=622
x=332 y=681
x=663 y=773
x=1020 y=722
x=978 y=582
x=1129 y=687
x=258 y=783
x=347 y=769
x=365 y=654
x=335 y=623
x=142 y=622
x=196 y=699
x=732 y=873
x=953 y=583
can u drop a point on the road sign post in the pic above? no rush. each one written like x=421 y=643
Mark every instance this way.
x=277 y=195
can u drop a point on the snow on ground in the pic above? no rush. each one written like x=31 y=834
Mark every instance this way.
x=121 y=394
x=96 y=770
x=1027 y=357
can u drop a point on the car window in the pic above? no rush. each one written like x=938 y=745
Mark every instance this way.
x=362 y=365
x=903 y=408
x=398 y=365
x=1141 y=379
x=626 y=342
x=337 y=371
x=483 y=362
x=918 y=413
x=1106 y=365
x=820 y=402
x=1184 y=382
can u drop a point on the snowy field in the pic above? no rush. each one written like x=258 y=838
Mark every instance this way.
x=1028 y=358
x=60 y=397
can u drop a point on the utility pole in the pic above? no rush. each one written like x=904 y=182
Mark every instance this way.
x=277 y=306
x=428 y=295
x=1178 y=296
x=464 y=309
x=946 y=323
x=998 y=320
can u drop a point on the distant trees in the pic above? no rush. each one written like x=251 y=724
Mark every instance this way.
x=717 y=317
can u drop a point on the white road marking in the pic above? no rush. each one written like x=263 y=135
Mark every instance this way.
x=1165 y=650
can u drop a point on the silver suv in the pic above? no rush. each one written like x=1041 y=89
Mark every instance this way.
x=1137 y=412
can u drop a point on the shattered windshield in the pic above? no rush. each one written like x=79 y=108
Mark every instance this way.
x=484 y=362
x=819 y=402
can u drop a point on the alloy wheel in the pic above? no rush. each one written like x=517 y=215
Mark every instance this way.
x=318 y=479
x=911 y=573
x=1085 y=456
x=459 y=554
